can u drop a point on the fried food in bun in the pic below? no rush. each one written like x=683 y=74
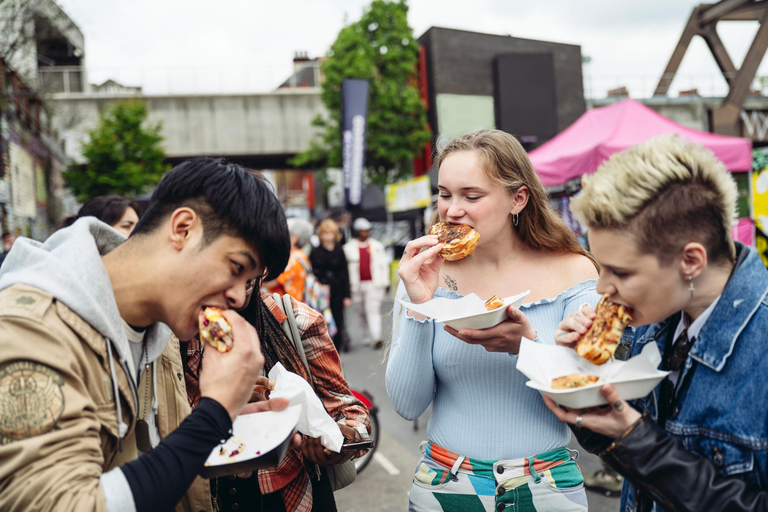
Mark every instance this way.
x=458 y=240
x=215 y=329
x=599 y=343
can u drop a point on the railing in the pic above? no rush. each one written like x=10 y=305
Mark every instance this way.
x=62 y=79
x=643 y=86
x=173 y=79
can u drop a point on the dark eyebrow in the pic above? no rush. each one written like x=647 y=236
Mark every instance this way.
x=251 y=258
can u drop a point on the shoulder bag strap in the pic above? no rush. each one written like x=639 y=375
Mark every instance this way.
x=290 y=327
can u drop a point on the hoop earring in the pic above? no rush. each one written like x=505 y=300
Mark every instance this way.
x=690 y=285
x=515 y=219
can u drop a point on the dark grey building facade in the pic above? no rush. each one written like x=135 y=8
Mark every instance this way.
x=532 y=89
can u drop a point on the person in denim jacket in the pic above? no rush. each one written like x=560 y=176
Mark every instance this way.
x=659 y=217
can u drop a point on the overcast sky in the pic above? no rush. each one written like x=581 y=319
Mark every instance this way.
x=175 y=46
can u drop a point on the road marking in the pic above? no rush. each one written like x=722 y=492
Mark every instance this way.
x=386 y=464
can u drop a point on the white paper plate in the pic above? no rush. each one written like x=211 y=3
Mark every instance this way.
x=265 y=437
x=467 y=312
x=589 y=396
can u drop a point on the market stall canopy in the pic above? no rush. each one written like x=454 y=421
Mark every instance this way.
x=600 y=132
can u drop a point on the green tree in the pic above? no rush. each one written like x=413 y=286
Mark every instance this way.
x=122 y=155
x=380 y=48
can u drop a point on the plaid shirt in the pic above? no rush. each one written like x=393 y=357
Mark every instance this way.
x=291 y=477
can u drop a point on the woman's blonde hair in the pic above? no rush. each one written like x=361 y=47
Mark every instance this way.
x=330 y=226
x=507 y=164
x=665 y=193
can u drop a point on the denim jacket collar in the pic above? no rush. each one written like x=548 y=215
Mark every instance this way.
x=737 y=304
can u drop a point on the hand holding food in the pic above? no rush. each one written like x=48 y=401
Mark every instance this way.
x=261 y=388
x=611 y=421
x=419 y=268
x=312 y=449
x=229 y=378
x=503 y=337
x=572 y=327
x=599 y=343
x=458 y=240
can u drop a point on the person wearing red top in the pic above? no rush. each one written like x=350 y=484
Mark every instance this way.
x=368 y=279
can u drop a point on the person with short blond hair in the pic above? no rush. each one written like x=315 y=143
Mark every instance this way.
x=668 y=188
x=659 y=217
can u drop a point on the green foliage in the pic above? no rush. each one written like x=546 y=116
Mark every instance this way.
x=759 y=160
x=380 y=48
x=123 y=156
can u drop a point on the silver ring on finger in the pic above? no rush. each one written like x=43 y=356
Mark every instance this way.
x=579 y=418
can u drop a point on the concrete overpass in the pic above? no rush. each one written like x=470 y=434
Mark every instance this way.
x=260 y=130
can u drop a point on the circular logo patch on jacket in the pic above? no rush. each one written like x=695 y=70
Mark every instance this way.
x=31 y=400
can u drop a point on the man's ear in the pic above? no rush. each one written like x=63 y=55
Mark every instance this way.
x=694 y=260
x=183 y=221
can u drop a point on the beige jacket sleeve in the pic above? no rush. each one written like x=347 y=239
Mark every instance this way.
x=58 y=427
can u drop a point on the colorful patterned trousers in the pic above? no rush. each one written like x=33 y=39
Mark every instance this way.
x=449 y=482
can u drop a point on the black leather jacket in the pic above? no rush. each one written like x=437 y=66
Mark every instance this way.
x=648 y=456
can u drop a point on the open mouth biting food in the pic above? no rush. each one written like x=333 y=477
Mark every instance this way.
x=458 y=240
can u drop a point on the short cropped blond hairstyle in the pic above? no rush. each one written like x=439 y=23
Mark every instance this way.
x=665 y=193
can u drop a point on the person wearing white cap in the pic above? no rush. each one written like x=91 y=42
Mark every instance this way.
x=368 y=279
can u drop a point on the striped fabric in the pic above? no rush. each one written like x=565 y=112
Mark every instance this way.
x=445 y=481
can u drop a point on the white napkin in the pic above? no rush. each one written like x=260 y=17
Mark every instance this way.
x=314 y=420
x=542 y=363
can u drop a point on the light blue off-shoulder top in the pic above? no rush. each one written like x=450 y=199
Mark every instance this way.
x=481 y=407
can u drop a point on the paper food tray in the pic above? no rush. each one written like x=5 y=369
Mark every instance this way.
x=467 y=312
x=635 y=378
x=265 y=438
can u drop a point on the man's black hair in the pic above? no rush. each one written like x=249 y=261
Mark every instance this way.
x=108 y=209
x=230 y=201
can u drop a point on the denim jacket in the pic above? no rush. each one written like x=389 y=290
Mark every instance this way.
x=722 y=408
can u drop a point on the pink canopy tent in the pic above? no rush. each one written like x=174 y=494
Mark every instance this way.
x=600 y=132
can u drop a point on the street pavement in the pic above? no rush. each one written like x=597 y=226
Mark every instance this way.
x=384 y=484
